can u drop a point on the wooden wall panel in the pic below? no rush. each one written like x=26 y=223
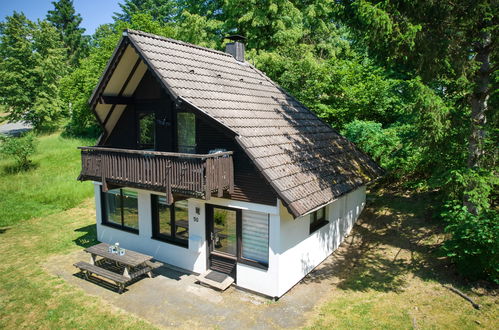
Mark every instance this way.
x=249 y=185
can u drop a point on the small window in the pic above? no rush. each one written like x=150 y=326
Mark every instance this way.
x=170 y=223
x=120 y=209
x=318 y=219
x=146 y=130
x=255 y=238
x=186 y=132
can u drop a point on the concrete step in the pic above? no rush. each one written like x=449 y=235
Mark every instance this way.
x=214 y=279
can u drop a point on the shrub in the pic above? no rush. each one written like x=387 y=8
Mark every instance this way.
x=19 y=148
x=473 y=223
x=474 y=241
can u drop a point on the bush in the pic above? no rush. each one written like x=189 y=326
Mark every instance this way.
x=19 y=148
x=473 y=222
x=474 y=241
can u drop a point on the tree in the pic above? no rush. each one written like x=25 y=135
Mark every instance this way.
x=451 y=45
x=33 y=61
x=160 y=10
x=65 y=19
x=17 y=87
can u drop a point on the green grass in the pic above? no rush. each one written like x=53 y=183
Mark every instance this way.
x=389 y=274
x=49 y=187
x=31 y=297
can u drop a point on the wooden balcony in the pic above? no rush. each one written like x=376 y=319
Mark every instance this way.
x=171 y=173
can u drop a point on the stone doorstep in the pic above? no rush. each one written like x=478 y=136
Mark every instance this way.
x=222 y=286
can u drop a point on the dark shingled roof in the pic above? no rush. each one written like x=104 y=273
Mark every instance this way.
x=305 y=160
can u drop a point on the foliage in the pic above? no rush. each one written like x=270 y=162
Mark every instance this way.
x=65 y=19
x=20 y=148
x=474 y=241
x=159 y=10
x=384 y=145
x=33 y=62
x=79 y=84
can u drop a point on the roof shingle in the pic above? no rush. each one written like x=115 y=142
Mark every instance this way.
x=304 y=159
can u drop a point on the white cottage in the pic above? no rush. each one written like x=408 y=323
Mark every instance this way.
x=208 y=165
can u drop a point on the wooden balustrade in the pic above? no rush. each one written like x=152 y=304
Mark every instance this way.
x=187 y=174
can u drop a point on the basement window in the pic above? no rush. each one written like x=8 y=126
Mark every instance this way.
x=318 y=219
x=120 y=210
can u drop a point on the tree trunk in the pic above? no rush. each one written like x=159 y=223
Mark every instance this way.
x=479 y=99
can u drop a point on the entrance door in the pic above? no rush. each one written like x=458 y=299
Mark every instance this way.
x=221 y=233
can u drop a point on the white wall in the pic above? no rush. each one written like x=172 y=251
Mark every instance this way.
x=192 y=258
x=300 y=252
x=293 y=253
x=264 y=281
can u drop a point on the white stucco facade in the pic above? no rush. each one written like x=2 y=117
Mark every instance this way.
x=293 y=251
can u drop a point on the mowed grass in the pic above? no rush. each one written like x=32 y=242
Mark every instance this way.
x=387 y=275
x=49 y=187
x=390 y=274
x=32 y=298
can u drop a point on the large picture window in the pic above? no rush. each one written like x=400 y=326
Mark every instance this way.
x=120 y=209
x=186 y=132
x=318 y=219
x=170 y=223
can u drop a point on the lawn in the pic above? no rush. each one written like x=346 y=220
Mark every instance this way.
x=47 y=188
x=388 y=274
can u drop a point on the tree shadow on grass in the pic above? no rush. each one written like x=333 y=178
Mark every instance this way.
x=16 y=168
x=394 y=238
x=89 y=236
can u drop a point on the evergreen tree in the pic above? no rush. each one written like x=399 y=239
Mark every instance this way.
x=65 y=19
x=160 y=10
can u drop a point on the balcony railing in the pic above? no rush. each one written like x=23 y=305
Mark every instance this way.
x=185 y=174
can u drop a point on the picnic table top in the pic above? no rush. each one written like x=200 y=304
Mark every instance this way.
x=131 y=258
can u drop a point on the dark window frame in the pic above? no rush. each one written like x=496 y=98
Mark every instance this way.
x=137 y=120
x=155 y=225
x=239 y=237
x=104 y=218
x=318 y=223
x=177 y=146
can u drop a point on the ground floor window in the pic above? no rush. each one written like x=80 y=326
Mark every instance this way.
x=120 y=209
x=170 y=222
x=318 y=219
x=255 y=237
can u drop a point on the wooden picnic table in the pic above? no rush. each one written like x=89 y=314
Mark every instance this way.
x=130 y=260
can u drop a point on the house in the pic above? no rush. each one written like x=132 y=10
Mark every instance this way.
x=206 y=164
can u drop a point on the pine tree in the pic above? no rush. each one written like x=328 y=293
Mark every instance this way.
x=161 y=10
x=65 y=19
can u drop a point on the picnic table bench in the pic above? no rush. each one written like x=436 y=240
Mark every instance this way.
x=135 y=264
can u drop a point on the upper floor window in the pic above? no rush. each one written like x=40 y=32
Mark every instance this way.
x=186 y=132
x=120 y=209
x=170 y=222
x=146 y=130
x=318 y=219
